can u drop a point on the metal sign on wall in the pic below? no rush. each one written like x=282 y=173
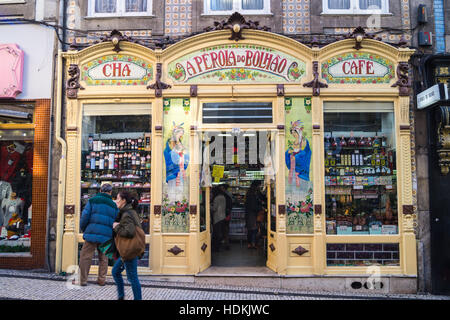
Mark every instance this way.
x=117 y=69
x=358 y=67
x=432 y=95
x=236 y=63
x=11 y=70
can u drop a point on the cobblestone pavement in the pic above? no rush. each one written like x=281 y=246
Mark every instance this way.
x=48 y=286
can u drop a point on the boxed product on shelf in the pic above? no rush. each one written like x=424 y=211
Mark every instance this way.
x=389 y=229
x=375 y=227
x=343 y=227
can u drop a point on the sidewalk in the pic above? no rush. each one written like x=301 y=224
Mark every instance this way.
x=40 y=285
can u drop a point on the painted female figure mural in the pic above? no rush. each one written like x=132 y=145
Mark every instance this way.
x=177 y=160
x=298 y=161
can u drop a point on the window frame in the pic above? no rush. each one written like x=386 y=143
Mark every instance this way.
x=237 y=7
x=355 y=10
x=120 y=4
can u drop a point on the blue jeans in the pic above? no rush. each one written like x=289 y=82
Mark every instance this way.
x=132 y=276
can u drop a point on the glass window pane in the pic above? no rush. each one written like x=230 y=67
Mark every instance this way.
x=135 y=5
x=116 y=149
x=105 y=6
x=221 y=5
x=237 y=112
x=16 y=175
x=339 y=4
x=252 y=4
x=360 y=170
x=369 y=4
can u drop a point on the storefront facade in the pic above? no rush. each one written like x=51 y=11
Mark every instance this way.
x=331 y=126
x=25 y=110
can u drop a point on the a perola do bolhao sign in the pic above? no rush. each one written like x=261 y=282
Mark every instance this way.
x=358 y=67
x=236 y=63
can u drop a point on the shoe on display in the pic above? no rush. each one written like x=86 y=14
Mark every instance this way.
x=14 y=237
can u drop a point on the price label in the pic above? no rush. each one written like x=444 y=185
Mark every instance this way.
x=388 y=187
x=356 y=187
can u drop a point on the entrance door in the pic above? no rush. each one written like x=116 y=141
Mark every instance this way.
x=237 y=164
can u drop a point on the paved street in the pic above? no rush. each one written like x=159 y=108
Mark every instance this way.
x=46 y=286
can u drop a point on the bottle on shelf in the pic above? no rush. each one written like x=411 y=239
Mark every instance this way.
x=92 y=161
x=101 y=161
x=88 y=162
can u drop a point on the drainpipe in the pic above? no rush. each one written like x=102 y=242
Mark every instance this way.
x=62 y=168
x=62 y=161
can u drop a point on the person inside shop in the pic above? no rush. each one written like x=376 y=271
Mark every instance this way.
x=229 y=205
x=96 y=224
x=218 y=209
x=254 y=206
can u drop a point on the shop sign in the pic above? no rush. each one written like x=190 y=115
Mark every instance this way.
x=117 y=69
x=361 y=68
x=432 y=95
x=236 y=63
x=11 y=70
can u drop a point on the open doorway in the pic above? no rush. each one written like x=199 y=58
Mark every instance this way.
x=239 y=197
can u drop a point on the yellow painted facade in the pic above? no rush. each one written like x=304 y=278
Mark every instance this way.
x=195 y=258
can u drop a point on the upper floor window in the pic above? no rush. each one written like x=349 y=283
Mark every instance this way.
x=226 y=7
x=355 y=6
x=106 y=8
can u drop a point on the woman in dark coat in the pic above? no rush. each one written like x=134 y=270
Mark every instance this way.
x=125 y=226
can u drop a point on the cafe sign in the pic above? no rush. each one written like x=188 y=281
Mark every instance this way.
x=360 y=68
x=117 y=69
x=236 y=63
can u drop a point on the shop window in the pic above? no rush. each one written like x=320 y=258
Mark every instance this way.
x=360 y=168
x=105 y=8
x=16 y=172
x=237 y=112
x=362 y=254
x=355 y=6
x=243 y=6
x=116 y=149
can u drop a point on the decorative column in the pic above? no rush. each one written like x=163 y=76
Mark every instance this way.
x=156 y=192
x=408 y=252
x=281 y=247
x=194 y=209
x=319 y=247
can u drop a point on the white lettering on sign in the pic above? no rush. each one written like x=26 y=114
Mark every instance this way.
x=117 y=70
x=358 y=68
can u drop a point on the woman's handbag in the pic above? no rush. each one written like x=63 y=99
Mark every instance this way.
x=130 y=248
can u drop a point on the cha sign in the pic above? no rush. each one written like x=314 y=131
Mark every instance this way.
x=117 y=70
x=358 y=68
x=237 y=63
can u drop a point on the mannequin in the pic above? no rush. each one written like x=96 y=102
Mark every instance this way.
x=10 y=154
x=5 y=193
x=11 y=206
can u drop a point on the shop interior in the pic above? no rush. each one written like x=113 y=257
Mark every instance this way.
x=116 y=149
x=360 y=172
x=241 y=159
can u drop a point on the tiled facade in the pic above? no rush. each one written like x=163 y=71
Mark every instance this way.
x=178 y=18
x=296 y=16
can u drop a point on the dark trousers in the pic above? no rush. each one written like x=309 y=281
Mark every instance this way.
x=217 y=236
x=251 y=236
